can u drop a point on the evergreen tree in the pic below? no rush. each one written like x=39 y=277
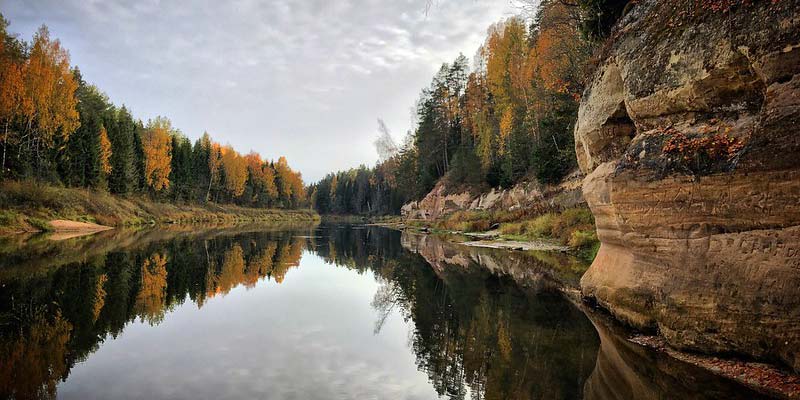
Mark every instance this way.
x=121 y=130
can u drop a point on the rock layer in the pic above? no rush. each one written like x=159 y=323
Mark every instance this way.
x=442 y=201
x=689 y=137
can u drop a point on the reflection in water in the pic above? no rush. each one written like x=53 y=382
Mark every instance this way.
x=484 y=324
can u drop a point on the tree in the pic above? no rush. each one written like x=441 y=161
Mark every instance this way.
x=283 y=181
x=123 y=178
x=157 y=149
x=14 y=103
x=181 y=172
x=50 y=86
x=384 y=144
x=235 y=170
x=261 y=180
x=81 y=161
x=105 y=152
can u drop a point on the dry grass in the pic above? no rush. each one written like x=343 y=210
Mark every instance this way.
x=27 y=205
x=572 y=227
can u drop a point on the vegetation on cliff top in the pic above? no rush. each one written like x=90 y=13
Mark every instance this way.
x=507 y=119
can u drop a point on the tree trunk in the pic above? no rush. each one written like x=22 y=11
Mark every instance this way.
x=5 y=146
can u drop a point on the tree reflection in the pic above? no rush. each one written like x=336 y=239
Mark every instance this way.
x=69 y=309
x=153 y=287
x=477 y=334
x=485 y=325
x=32 y=362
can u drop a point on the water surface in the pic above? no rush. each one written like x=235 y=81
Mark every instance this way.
x=328 y=312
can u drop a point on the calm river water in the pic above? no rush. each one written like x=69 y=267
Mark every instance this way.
x=326 y=312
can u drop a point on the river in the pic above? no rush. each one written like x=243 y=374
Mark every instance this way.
x=323 y=312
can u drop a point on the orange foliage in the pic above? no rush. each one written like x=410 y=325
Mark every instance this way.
x=50 y=86
x=33 y=363
x=13 y=99
x=261 y=175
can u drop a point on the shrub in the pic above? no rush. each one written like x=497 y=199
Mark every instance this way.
x=582 y=239
x=541 y=226
x=40 y=224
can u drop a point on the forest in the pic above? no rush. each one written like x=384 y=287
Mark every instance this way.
x=507 y=118
x=59 y=129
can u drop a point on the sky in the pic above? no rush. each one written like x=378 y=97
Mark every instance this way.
x=304 y=79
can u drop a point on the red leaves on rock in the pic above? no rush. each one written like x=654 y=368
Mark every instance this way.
x=714 y=147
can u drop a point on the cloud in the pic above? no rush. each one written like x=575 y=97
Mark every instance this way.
x=304 y=79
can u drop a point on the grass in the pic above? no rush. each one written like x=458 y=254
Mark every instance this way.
x=27 y=205
x=573 y=227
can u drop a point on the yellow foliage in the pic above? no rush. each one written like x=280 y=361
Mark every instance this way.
x=235 y=168
x=157 y=147
x=105 y=151
x=506 y=125
x=50 y=86
x=261 y=175
x=152 y=293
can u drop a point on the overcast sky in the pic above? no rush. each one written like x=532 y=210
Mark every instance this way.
x=306 y=79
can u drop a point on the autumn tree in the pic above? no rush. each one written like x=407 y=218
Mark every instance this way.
x=261 y=181
x=59 y=128
x=234 y=168
x=14 y=103
x=157 y=149
x=105 y=152
x=49 y=84
x=283 y=180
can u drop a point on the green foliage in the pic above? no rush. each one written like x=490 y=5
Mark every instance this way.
x=599 y=16
x=124 y=174
x=573 y=227
x=359 y=191
x=466 y=168
x=40 y=224
x=8 y=217
x=582 y=239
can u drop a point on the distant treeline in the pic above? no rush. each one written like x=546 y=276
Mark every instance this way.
x=508 y=119
x=57 y=128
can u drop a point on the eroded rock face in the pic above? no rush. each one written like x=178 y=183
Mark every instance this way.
x=440 y=202
x=700 y=240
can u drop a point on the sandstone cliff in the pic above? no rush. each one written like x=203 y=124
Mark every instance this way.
x=442 y=201
x=689 y=137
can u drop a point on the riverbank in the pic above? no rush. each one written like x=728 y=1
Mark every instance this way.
x=571 y=230
x=36 y=207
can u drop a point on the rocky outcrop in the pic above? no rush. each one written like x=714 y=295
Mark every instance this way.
x=442 y=201
x=689 y=137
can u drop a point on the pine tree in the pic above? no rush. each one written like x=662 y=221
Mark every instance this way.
x=123 y=177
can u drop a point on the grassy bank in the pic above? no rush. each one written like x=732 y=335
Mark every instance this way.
x=573 y=227
x=28 y=206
